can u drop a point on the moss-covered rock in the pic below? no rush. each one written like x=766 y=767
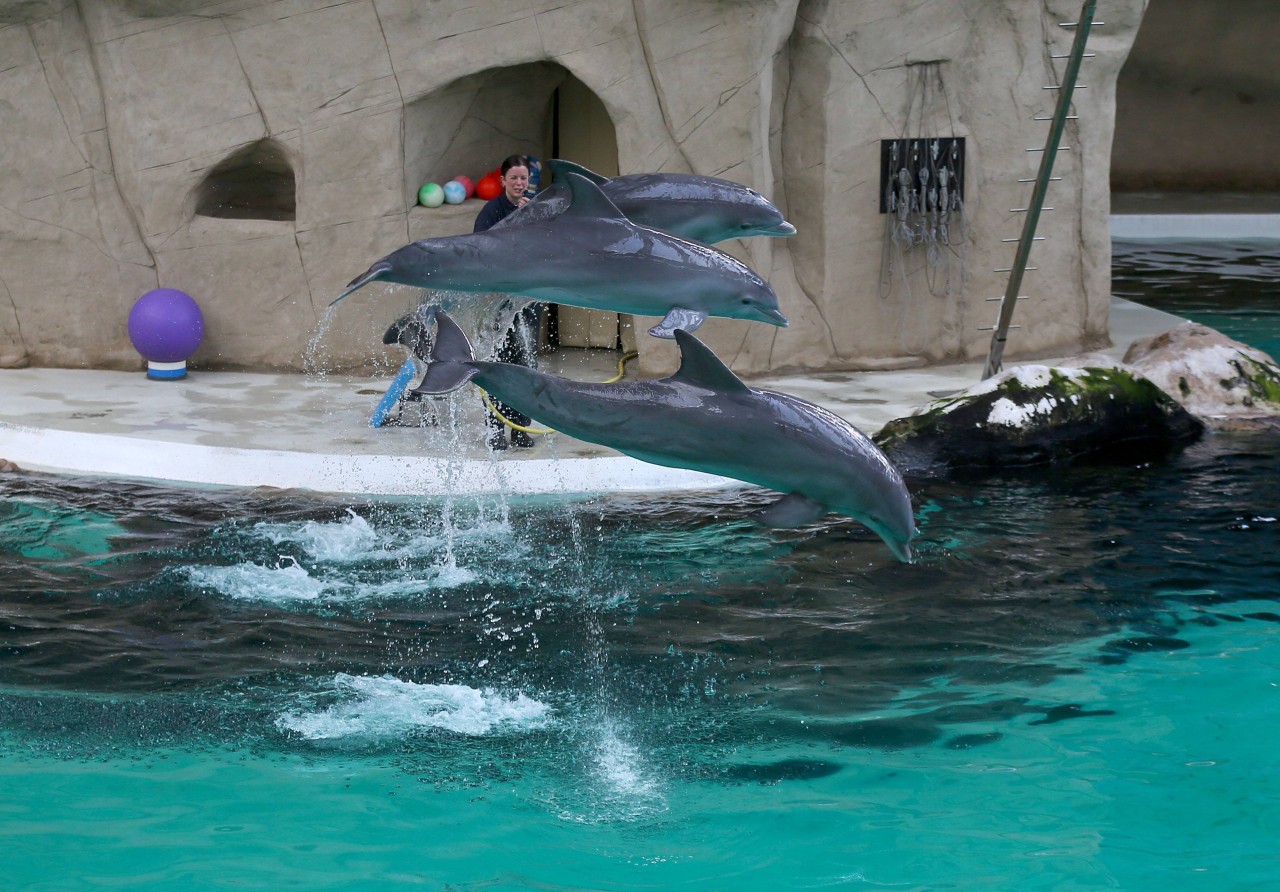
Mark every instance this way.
x=1223 y=382
x=1039 y=415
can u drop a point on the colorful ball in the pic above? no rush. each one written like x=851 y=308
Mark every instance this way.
x=431 y=195
x=166 y=325
x=467 y=184
x=489 y=187
x=454 y=192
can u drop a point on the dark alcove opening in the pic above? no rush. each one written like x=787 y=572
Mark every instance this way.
x=253 y=183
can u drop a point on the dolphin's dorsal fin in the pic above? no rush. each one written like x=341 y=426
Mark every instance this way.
x=560 y=167
x=702 y=368
x=586 y=200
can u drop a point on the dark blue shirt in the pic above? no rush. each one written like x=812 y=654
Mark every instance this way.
x=494 y=211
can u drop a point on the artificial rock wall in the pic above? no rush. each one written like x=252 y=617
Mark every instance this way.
x=258 y=154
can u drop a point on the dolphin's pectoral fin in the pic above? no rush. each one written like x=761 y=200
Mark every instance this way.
x=790 y=511
x=678 y=317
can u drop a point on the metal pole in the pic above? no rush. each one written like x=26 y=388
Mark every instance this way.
x=1059 y=121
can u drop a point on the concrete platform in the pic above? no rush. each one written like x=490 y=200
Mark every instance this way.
x=313 y=433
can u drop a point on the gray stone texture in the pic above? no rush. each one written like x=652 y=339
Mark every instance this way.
x=1227 y=384
x=260 y=153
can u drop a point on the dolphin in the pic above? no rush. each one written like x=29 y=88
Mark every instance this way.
x=589 y=255
x=706 y=419
x=704 y=209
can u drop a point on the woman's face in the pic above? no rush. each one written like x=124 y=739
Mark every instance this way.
x=515 y=182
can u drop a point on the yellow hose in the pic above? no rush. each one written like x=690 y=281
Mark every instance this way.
x=622 y=370
x=622 y=367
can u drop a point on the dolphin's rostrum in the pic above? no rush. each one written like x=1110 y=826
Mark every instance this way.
x=704 y=418
x=589 y=255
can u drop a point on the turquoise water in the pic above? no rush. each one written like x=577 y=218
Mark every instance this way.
x=1077 y=686
x=1233 y=286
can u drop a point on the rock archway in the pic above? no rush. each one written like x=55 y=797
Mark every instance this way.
x=539 y=109
x=470 y=124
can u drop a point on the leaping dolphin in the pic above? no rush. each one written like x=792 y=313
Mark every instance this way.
x=706 y=419
x=705 y=209
x=590 y=255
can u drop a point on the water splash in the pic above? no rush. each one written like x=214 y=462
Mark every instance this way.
x=370 y=709
x=432 y=531
x=618 y=781
x=622 y=769
x=351 y=539
x=315 y=359
x=287 y=582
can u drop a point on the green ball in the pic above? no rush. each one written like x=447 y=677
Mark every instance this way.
x=431 y=195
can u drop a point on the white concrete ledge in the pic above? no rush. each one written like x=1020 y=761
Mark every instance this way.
x=167 y=461
x=1195 y=226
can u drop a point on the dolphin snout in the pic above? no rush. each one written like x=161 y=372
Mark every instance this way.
x=782 y=230
x=773 y=316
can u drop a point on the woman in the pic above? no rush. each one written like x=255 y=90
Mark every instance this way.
x=520 y=346
x=515 y=186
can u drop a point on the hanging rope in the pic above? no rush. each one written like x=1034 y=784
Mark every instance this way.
x=924 y=230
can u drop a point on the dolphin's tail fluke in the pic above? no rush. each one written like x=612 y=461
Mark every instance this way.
x=450 y=362
x=377 y=271
x=414 y=331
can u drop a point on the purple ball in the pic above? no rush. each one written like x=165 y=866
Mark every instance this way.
x=166 y=325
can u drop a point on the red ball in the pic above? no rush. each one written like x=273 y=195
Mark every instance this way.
x=466 y=184
x=489 y=187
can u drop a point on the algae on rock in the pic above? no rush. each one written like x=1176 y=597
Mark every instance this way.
x=1039 y=415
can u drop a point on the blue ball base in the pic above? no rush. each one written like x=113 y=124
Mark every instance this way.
x=166 y=371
